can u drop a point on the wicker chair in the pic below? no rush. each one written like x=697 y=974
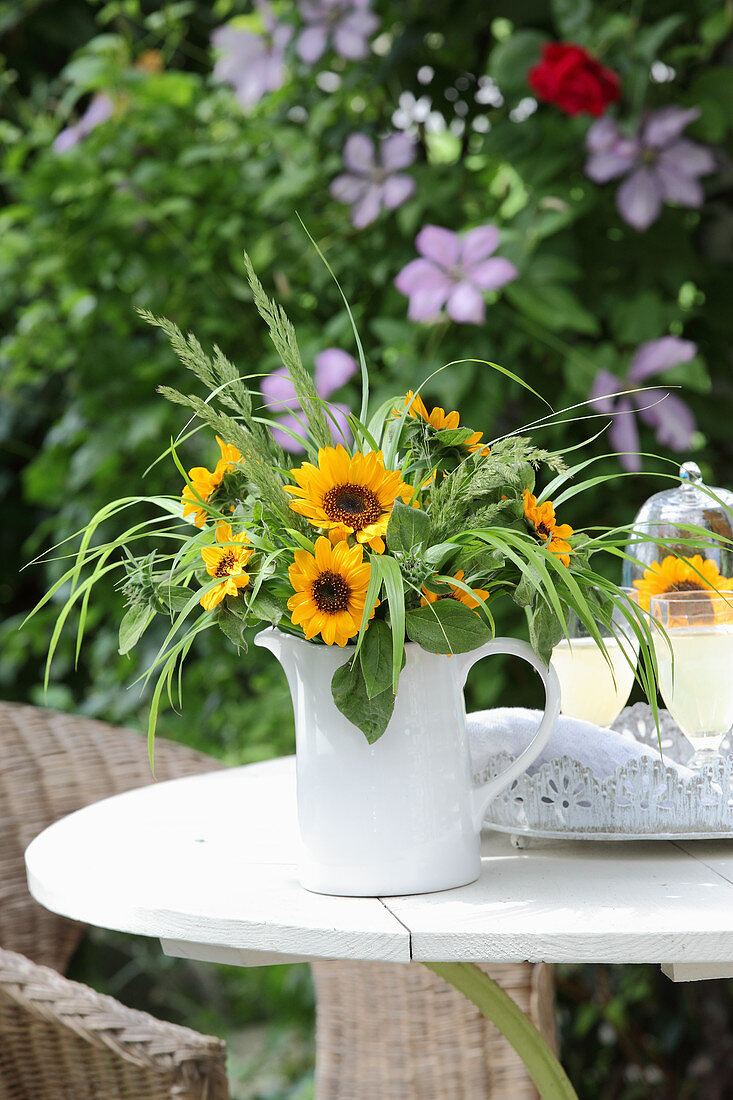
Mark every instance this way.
x=390 y=1031
x=60 y=1040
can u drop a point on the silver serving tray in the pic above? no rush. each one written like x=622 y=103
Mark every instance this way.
x=645 y=799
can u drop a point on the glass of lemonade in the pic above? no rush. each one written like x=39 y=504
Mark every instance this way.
x=595 y=686
x=695 y=661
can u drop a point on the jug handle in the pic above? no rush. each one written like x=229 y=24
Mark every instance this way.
x=484 y=794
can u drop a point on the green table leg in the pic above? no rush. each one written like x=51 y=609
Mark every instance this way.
x=497 y=1006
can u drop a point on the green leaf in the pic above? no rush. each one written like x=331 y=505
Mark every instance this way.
x=716 y=26
x=639 y=317
x=173 y=597
x=525 y=591
x=265 y=606
x=692 y=375
x=553 y=306
x=348 y=688
x=446 y=626
x=439 y=553
x=134 y=624
x=572 y=17
x=545 y=631
x=407 y=528
x=648 y=41
x=511 y=60
x=453 y=437
x=231 y=625
x=712 y=91
x=376 y=658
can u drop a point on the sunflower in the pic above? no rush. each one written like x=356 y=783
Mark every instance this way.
x=204 y=483
x=554 y=535
x=439 y=419
x=681 y=575
x=330 y=591
x=227 y=562
x=348 y=496
x=456 y=593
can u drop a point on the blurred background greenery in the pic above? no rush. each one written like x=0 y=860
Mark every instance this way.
x=133 y=174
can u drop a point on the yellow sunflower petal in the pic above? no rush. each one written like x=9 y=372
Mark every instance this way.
x=416 y=405
x=212 y=555
x=323 y=554
x=229 y=453
x=214 y=596
x=338 y=532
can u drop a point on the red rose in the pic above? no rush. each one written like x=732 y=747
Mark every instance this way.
x=573 y=80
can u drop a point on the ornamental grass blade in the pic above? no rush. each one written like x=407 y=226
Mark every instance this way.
x=395 y=593
x=374 y=587
x=362 y=358
x=65 y=612
x=164 y=680
x=381 y=420
x=508 y=373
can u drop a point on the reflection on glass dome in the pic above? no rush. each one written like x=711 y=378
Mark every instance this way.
x=671 y=513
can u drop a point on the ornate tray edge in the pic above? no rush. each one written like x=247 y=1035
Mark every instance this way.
x=644 y=799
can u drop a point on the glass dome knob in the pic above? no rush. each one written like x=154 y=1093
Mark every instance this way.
x=691 y=473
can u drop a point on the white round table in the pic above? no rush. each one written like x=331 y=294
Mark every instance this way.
x=208 y=865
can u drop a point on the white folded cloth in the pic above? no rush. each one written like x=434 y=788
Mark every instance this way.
x=510 y=730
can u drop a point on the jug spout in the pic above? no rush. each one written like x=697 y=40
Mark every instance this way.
x=284 y=647
x=280 y=644
x=271 y=639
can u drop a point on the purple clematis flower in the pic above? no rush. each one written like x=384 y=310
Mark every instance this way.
x=99 y=110
x=347 y=23
x=672 y=420
x=659 y=165
x=453 y=271
x=333 y=368
x=373 y=181
x=254 y=64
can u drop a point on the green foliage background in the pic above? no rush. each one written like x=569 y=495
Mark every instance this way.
x=153 y=210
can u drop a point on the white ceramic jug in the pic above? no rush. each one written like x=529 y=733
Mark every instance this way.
x=400 y=816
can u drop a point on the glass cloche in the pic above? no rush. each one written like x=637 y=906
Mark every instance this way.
x=665 y=515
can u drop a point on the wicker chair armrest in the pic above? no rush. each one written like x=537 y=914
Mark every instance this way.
x=194 y=1063
x=50 y=765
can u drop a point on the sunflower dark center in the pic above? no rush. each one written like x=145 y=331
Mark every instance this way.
x=331 y=592
x=225 y=563
x=688 y=586
x=354 y=505
x=543 y=531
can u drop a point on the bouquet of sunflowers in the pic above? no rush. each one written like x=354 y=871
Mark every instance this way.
x=405 y=527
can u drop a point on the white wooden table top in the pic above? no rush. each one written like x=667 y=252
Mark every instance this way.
x=208 y=865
